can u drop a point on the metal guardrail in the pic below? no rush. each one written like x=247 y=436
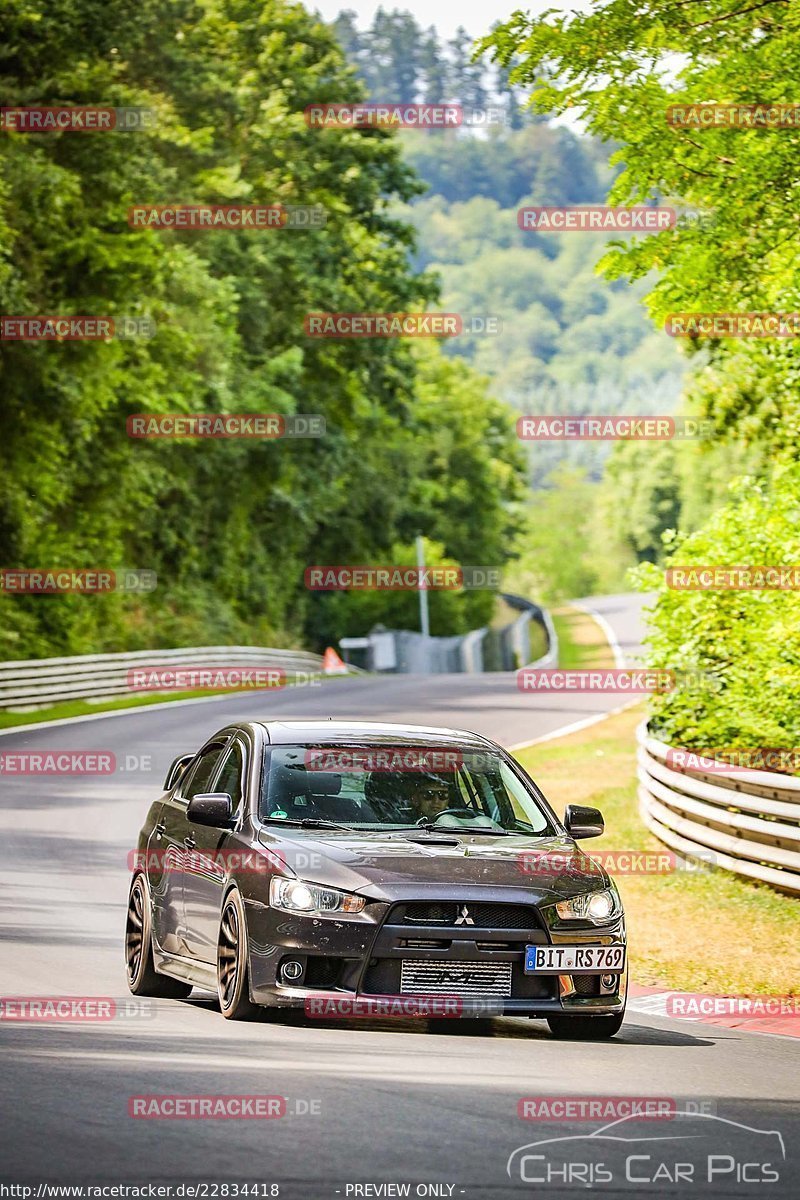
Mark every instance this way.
x=481 y=650
x=83 y=677
x=519 y=635
x=747 y=822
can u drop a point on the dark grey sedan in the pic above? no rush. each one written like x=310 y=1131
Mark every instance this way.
x=347 y=866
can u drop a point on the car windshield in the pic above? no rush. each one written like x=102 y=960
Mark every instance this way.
x=400 y=788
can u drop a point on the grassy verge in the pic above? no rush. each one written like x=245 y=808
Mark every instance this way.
x=706 y=931
x=81 y=708
x=581 y=641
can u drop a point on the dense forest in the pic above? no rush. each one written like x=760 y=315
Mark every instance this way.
x=420 y=435
x=571 y=341
x=228 y=526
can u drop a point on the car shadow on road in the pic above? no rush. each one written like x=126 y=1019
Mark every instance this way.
x=632 y=1034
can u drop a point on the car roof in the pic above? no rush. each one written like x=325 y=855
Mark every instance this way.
x=372 y=732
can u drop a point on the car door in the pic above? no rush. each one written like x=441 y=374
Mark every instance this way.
x=172 y=841
x=206 y=864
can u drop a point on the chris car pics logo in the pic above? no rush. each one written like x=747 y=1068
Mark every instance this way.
x=693 y=1150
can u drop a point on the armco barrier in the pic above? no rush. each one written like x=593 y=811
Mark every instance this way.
x=519 y=638
x=481 y=650
x=89 y=676
x=747 y=822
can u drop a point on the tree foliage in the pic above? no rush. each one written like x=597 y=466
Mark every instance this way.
x=736 y=653
x=618 y=68
x=228 y=526
x=398 y=60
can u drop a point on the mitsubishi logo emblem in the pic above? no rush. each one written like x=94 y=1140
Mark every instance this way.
x=463 y=917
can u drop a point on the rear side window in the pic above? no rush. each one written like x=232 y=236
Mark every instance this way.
x=203 y=771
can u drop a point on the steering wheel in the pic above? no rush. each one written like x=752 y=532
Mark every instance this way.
x=446 y=812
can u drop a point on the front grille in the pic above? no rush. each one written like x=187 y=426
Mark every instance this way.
x=455 y=979
x=479 y=914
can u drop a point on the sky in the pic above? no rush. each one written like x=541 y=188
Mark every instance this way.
x=476 y=16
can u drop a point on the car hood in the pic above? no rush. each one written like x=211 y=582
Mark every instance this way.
x=390 y=867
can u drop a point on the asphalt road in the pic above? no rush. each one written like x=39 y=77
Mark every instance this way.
x=369 y=1103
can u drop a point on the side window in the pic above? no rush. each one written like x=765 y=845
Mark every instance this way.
x=230 y=777
x=203 y=771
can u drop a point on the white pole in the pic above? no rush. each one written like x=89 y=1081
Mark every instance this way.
x=423 y=593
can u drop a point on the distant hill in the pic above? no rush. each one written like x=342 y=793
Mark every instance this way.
x=570 y=341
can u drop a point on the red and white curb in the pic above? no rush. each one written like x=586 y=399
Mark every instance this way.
x=652 y=1002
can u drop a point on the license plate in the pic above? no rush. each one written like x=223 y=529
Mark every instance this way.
x=564 y=960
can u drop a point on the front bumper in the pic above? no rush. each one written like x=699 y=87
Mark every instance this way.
x=361 y=958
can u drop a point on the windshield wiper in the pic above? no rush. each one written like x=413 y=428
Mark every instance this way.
x=432 y=827
x=307 y=823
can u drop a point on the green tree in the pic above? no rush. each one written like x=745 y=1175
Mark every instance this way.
x=736 y=654
x=230 y=526
x=618 y=68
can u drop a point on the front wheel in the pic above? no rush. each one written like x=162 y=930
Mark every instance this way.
x=143 y=979
x=585 y=1028
x=233 y=982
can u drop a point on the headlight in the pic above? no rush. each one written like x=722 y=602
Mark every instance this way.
x=294 y=895
x=593 y=906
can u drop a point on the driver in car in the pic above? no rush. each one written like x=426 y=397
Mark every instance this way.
x=433 y=795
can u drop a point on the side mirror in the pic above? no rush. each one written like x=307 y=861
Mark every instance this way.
x=179 y=765
x=210 y=808
x=582 y=822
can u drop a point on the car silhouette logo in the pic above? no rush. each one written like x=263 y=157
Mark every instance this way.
x=463 y=917
x=626 y=1133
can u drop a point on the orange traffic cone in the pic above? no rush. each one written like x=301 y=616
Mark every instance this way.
x=332 y=663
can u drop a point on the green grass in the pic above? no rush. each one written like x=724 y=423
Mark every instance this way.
x=706 y=931
x=581 y=641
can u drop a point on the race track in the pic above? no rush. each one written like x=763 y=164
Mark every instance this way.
x=369 y=1102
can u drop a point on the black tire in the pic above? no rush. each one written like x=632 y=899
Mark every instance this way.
x=143 y=978
x=233 y=975
x=585 y=1028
